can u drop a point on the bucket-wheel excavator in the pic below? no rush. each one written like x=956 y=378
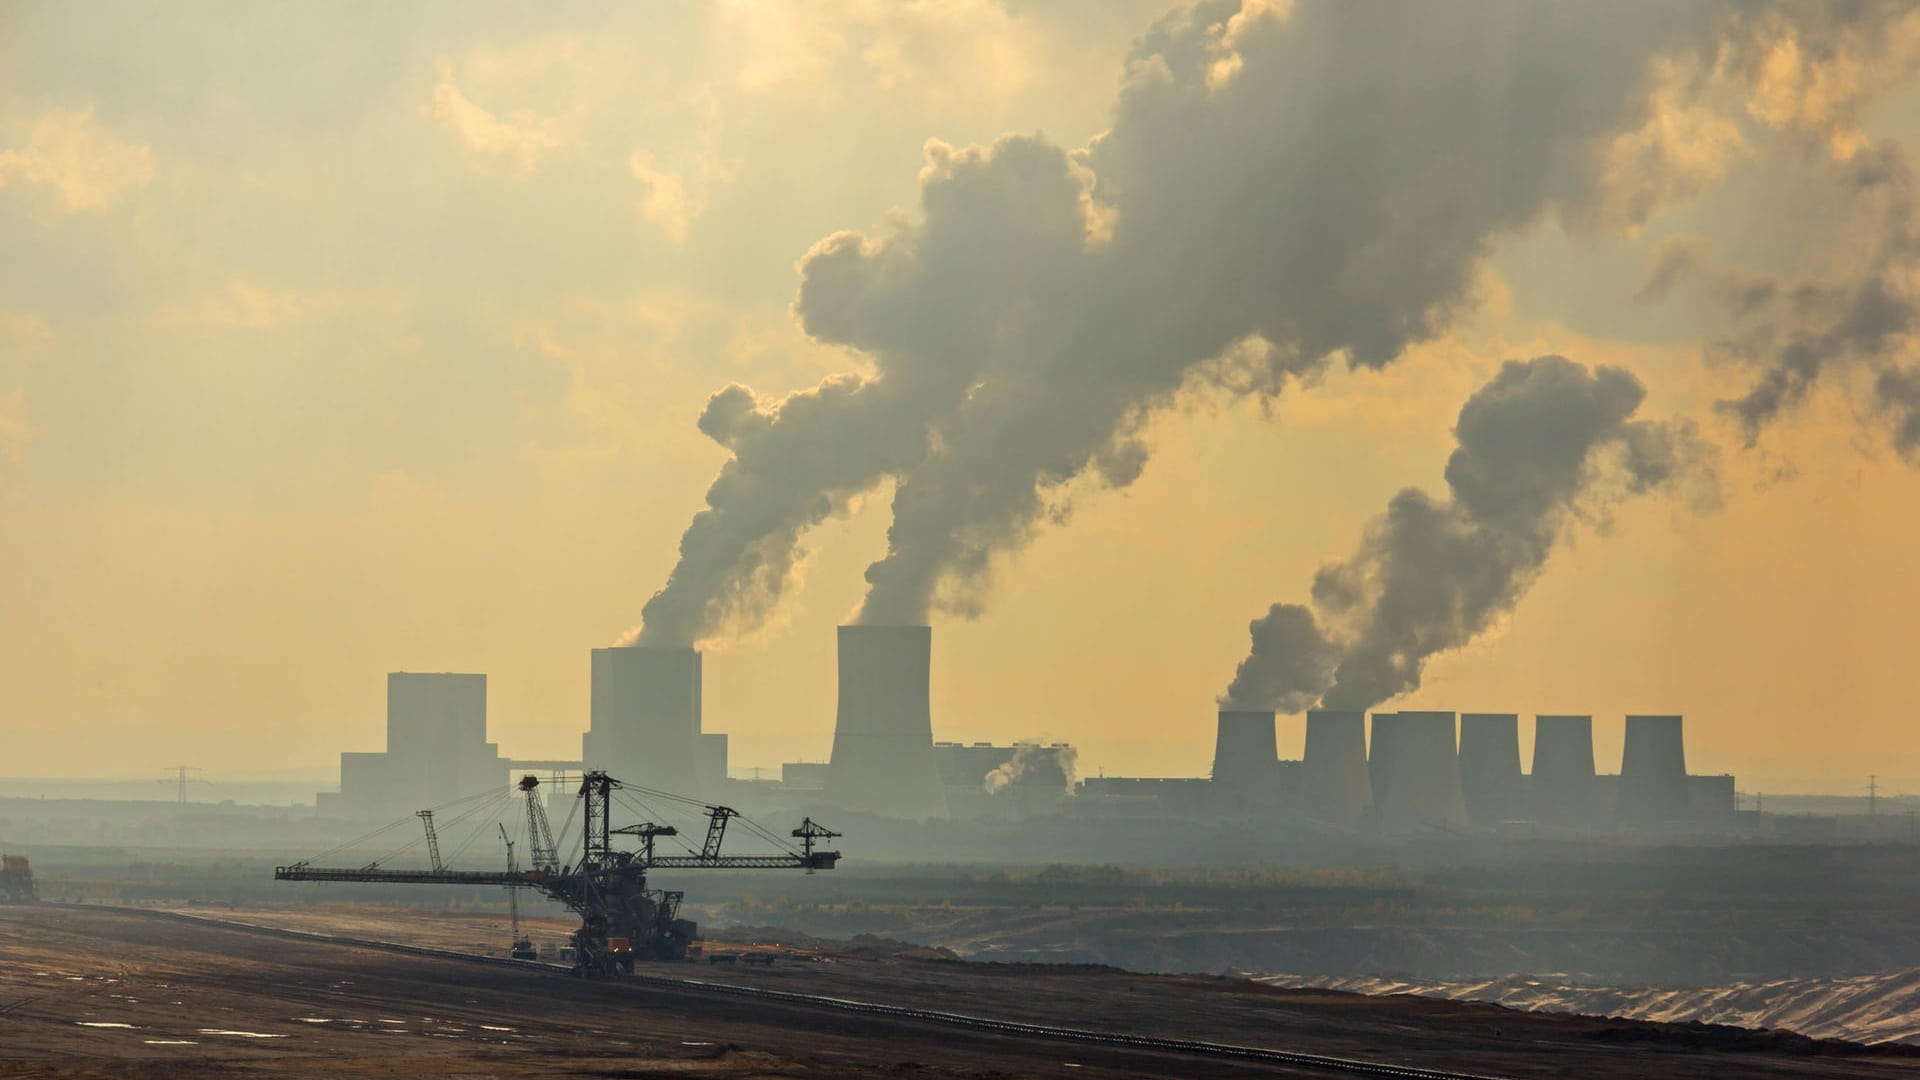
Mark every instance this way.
x=621 y=920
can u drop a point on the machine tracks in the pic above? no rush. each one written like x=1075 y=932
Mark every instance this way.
x=1150 y=1043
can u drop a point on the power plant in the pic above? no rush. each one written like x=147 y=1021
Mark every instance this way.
x=1424 y=774
x=1562 y=789
x=1423 y=790
x=883 y=730
x=1392 y=775
x=437 y=749
x=1246 y=763
x=1334 y=783
x=645 y=721
x=1490 y=777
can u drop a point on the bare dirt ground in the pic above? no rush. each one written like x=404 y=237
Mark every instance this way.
x=109 y=992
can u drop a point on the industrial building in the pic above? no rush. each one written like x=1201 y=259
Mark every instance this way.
x=645 y=724
x=1419 y=772
x=437 y=750
x=1246 y=766
x=883 y=728
x=1490 y=776
x=1335 y=787
x=1394 y=774
x=984 y=779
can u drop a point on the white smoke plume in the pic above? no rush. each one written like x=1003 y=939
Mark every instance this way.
x=1048 y=770
x=1282 y=187
x=1795 y=334
x=1546 y=441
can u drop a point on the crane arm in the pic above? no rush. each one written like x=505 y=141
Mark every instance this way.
x=526 y=879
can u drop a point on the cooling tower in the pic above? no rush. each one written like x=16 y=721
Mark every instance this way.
x=1246 y=760
x=1380 y=743
x=1560 y=790
x=1334 y=787
x=1423 y=776
x=645 y=717
x=1653 y=772
x=883 y=734
x=1490 y=767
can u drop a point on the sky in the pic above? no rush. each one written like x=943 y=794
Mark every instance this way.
x=340 y=339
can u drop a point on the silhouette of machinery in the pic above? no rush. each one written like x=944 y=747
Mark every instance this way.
x=621 y=919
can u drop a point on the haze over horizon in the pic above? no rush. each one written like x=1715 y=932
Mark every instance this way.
x=350 y=339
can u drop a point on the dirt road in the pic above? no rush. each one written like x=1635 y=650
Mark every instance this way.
x=104 y=992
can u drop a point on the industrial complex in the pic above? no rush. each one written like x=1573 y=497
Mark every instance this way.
x=1389 y=774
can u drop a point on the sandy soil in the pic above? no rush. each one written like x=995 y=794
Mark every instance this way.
x=104 y=992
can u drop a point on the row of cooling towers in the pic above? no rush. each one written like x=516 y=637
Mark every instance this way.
x=646 y=724
x=1417 y=777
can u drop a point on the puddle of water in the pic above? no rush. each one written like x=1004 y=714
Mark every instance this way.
x=490 y=1027
x=383 y=1020
x=239 y=1034
x=102 y=1023
x=171 y=1042
x=685 y=1043
x=314 y=1019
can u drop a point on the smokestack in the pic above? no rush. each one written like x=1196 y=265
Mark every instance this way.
x=1653 y=772
x=1335 y=788
x=1423 y=777
x=645 y=716
x=883 y=734
x=1560 y=790
x=1380 y=746
x=1490 y=767
x=1246 y=759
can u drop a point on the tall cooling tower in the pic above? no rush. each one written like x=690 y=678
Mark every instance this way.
x=1653 y=772
x=645 y=716
x=883 y=734
x=1246 y=759
x=1380 y=745
x=1560 y=790
x=1423 y=777
x=1333 y=786
x=1490 y=767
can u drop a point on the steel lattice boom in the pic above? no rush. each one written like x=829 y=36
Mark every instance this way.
x=621 y=920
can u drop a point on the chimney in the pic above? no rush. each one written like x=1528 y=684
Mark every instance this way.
x=1380 y=745
x=1560 y=790
x=1334 y=788
x=1423 y=777
x=645 y=717
x=883 y=734
x=1246 y=760
x=1653 y=772
x=1490 y=767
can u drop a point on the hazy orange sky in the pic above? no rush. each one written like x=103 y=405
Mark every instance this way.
x=343 y=339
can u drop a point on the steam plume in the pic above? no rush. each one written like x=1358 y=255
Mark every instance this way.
x=1277 y=192
x=1796 y=333
x=1042 y=770
x=1547 y=439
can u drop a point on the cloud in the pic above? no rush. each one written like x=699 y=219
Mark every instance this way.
x=253 y=306
x=87 y=168
x=930 y=50
x=520 y=138
x=1793 y=334
x=664 y=201
x=25 y=334
x=1046 y=301
x=17 y=428
x=1811 y=67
